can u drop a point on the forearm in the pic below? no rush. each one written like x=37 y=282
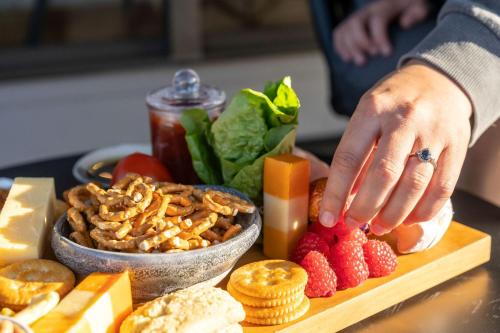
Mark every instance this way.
x=465 y=45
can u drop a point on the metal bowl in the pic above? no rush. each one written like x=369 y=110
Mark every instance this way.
x=155 y=274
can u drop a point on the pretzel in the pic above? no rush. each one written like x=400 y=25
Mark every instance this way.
x=177 y=243
x=104 y=225
x=104 y=197
x=231 y=232
x=161 y=237
x=169 y=188
x=82 y=238
x=104 y=238
x=179 y=205
x=78 y=197
x=226 y=204
x=139 y=216
x=153 y=208
x=224 y=222
x=123 y=230
x=75 y=220
x=211 y=236
x=125 y=181
x=204 y=224
x=196 y=244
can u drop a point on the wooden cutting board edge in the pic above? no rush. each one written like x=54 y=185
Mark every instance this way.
x=380 y=294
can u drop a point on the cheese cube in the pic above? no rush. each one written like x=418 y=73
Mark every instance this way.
x=98 y=304
x=26 y=219
x=286 y=196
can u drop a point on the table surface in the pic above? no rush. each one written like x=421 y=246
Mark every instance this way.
x=467 y=303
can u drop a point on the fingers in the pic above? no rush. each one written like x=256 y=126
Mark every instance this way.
x=378 y=29
x=440 y=188
x=413 y=14
x=351 y=154
x=352 y=41
x=382 y=176
x=340 y=47
x=410 y=188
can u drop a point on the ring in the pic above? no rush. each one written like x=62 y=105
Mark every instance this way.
x=425 y=155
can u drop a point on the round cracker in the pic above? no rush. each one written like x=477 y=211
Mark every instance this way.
x=297 y=313
x=276 y=311
x=21 y=281
x=264 y=302
x=269 y=279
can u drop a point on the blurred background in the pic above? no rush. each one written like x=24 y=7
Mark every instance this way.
x=74 y=73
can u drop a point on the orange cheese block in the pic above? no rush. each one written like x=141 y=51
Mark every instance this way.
x=98 y=304
x=286 y=196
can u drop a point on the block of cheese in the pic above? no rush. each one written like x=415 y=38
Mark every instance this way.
x=26 y=219
x=286 y=192
x=98 y=304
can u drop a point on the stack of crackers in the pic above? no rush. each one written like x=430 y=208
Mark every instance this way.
x=271 y=291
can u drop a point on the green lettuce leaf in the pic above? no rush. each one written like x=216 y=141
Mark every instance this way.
x=238 y=134
x=275 y=135
x=197 y=124
x=249 y=179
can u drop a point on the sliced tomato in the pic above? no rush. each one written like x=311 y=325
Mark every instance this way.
x=144 y=165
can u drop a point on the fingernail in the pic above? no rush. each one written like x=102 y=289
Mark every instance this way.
x=377 y=230
x=327 y=219
x=386 y=51
x=351 y=223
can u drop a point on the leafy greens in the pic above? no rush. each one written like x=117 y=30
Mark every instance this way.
x=255 y=125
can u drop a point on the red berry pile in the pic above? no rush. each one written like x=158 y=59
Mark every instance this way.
x=339 y=258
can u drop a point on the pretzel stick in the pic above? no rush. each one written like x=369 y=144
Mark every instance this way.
x=211 y=236
x=177 y=243
x=82 y=239
x=156 y=240
x=105 y=239
x=75 y=220
x=104 y=225
x=231 y=232
x=123 y=230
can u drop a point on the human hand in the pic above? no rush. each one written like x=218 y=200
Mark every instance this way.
x=371 y=174
x=365 y=32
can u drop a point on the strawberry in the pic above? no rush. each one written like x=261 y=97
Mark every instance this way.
x=380 y=258
x=321 y=279
x=309 y=242
x=347 y=260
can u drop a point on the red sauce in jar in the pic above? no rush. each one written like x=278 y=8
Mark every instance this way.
x=170 y=147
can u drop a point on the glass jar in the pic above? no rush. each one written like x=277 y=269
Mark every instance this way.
x=165 y=109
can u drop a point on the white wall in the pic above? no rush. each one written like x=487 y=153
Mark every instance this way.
x=44 y=118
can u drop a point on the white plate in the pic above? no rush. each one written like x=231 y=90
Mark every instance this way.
x=5 y=183
x=112 y=153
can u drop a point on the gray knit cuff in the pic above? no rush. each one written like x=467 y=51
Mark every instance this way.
x=468 y=52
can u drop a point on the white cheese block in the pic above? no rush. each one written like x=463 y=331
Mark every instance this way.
x=424 y=235
x=25 y=219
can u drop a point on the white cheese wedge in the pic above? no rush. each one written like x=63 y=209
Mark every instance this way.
x=25 y=219
x=424 y=235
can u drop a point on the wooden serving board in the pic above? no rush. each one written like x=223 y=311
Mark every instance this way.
x=461 y=249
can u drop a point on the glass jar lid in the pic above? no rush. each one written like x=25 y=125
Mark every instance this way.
x=186 y=92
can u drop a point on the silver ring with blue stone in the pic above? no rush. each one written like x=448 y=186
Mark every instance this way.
x=425 y=155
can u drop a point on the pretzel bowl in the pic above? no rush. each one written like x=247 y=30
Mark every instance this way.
x=155 y=274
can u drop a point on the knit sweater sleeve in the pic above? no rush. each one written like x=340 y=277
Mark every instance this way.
x=465 y=46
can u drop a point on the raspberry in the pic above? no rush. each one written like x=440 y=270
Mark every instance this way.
x=347 y=260
x=321 y=279
x=309 y=242
x=324 y=232
x=380 y=258
x=343 y=233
